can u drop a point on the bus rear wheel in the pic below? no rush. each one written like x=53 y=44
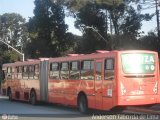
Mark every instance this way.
x=82 y=104
x=33 y=98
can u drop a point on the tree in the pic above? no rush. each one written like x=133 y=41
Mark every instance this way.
x=76 y=5
x=121 y=15
x=150 y=42
x=47 y=30
x=91 y=15
x=13 y=31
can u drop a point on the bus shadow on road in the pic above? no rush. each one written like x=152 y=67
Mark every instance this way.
x=74 y=111
x=61 y=111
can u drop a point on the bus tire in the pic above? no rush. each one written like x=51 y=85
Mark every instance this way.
x=10 y=95
x=83 y=104
x=33 y=97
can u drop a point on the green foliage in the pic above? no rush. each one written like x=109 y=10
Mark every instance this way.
x=47 y=30
x=7 y=55
x=89 y=43
x=13 y=31
x=76 y=5
x=132 y=21
x=91 y=15
x=124 y=19
x=10 y=56
x=109 y=2
x=150 y=42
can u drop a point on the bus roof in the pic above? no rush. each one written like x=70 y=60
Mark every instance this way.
x=96 y=55
x=74 y=57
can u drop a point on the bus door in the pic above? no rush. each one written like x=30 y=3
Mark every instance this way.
x=108 y=86
x=98 y=84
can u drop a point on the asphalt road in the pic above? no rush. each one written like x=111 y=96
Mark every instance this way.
x=40 y=111
x=17 y=110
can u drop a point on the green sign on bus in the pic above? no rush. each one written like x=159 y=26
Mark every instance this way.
x=138 y=63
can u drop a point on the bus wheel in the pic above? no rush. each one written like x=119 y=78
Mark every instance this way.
x=82 y=104
x=33 y=98
x=10 y=95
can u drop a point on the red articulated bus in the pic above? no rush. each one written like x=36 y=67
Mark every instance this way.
x=102 y=80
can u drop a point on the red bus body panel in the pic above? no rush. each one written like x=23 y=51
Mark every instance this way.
x=139 y=87
x=101 y=93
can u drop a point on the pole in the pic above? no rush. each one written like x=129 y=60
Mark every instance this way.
x=97 y=33
x=23 y=57
x=157 y=14
x=13 y=49
x=106 y=42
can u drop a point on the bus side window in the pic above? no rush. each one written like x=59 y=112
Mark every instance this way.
x=98 y=71
x=31 y=72
x=64 y=73
x=13 y=70
x=87 y=70
x=36 y=71
x=74 y=70
x=25 y=72
x=9 y=73
x=19 y=72
x=109 y=69
x=3 y=75
x=54 y=71
x=5 y=72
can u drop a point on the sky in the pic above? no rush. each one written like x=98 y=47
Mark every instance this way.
x=25 y=8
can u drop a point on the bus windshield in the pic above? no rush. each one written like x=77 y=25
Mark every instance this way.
x=138 y=63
